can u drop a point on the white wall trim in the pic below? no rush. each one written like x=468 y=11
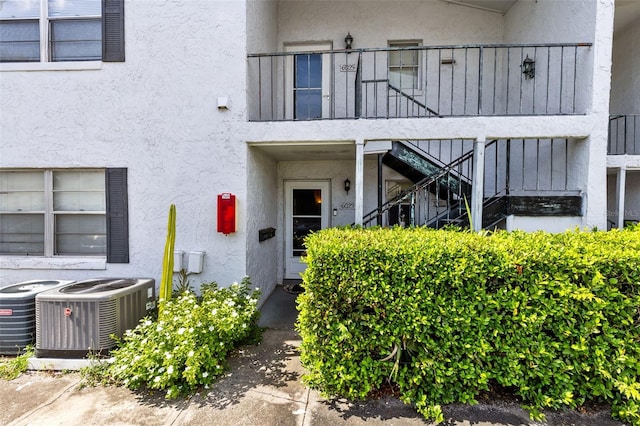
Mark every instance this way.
x=51 y=66
x=55 y=263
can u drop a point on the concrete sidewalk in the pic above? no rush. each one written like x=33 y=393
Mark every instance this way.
x=262 y=388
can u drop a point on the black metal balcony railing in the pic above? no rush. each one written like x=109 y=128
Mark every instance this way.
x=624 y=134
x=435 y=81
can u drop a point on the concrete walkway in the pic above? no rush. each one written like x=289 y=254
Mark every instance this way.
x=262 y=388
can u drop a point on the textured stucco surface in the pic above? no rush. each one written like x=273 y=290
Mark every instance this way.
x=545 y=21
x=374 y=23
x=157 y=115
x=625 y=70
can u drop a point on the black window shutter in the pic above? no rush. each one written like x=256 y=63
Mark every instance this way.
x=113 y=30
x=117 y=216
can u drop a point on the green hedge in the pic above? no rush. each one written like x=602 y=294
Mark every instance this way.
x=445 y=315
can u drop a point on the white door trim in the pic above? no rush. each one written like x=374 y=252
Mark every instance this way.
x=326 y=76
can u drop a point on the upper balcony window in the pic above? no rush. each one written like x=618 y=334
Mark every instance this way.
x=404 y=64
x=61 y=30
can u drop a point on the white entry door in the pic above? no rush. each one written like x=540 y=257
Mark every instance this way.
x=308 y=82
x=307 y=207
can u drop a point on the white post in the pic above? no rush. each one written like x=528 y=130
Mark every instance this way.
x=621 y=183
x=359 y=207
x=477 y=194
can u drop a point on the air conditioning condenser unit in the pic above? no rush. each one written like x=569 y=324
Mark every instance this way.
x=18 y=313
x=79 y=319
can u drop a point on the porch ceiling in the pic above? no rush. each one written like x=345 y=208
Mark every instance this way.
x=307 y=151
x=626 y=12
x=498 y=6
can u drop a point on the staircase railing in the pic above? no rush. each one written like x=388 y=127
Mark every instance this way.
x=453 y=197
x=430 y=183
x=414 y=101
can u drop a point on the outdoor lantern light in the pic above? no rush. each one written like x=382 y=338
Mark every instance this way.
x=347 y=185
x=529 y=68
x=348 y=40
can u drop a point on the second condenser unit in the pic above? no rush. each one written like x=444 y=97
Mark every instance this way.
x=18 y=313
x=79 y=319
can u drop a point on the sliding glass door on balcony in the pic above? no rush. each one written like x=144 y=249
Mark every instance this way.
x=307 y=83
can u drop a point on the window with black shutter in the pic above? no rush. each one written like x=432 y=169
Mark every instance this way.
x=87 y=30
x=117 y=215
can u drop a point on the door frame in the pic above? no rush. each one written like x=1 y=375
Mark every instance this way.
x=293 y=267
x=326 y=75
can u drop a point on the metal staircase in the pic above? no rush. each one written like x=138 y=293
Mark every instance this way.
x=439 y=192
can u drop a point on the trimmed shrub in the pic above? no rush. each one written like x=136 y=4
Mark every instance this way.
x=446 y=315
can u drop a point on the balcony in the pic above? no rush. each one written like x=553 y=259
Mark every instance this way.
x=624 y=135
x=419 y=81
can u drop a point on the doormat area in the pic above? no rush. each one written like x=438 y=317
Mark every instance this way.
x=293 y=288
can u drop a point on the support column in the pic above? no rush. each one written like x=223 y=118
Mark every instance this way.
x=477 y=194
x=621 y=184
x=359 y=207
x=380 y=183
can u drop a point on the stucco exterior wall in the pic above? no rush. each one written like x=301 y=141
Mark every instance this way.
x=539 y=223
x=262 y=209
x=155 y=114
x=632 y=196
x=625 y=70
x=547 y=21
x=373 y=23
x=262 y=26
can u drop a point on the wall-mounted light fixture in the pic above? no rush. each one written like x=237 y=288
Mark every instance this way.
x=347 y=185
x=528 y=68
x=348 y=41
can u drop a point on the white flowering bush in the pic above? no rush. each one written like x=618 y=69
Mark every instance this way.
x=188 y=345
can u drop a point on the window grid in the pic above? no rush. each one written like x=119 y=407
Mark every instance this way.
x=90 y=241
x=47 y=37
x=404 y=65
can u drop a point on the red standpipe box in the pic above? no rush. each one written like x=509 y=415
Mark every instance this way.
x=227 y=213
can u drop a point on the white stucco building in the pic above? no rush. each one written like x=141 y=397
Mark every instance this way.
x=111 y=110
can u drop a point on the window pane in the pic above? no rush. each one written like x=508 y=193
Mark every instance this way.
x=19 y=41
x=79 y=201
x=21 y=181
x=76 y=40
x=75 y=8
x=82 y=180
x=301 y=228
x=80 y=235
x=19 y=8
x=302 y=71
x=307 y=202
x=22 y=191
x=308 y=72
x=308 y=104
x=79 y=191
x=405 y=78
x=403 y=65
x=22 y=234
